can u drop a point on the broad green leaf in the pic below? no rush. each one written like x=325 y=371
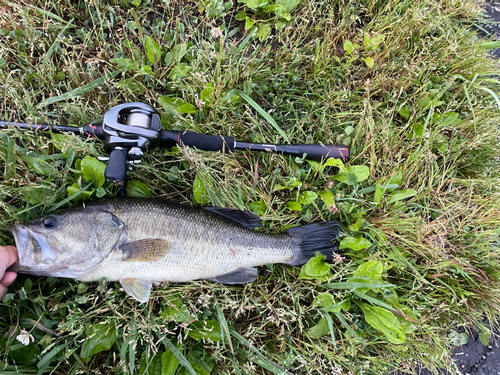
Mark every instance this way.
x=317 y=166
x=125 y=64
x=93 y=170
x=100 y=192
x=179 y=71
x=169 y=363
x=293 y=206
x=264 y=31
x=405 y=110
x=37 y=195
x=138 y=189
x=205 y=329
x=290 y=184
x=249 y=23
x=353 y=175
x=372 y=269
x=178 y=312
x=153 y=51
x=354 y=243
x=316 y=266
x=146 y=70
x=287 y=5
x=186 y=108
x=176 y=54
x=206 y=94
x=485 y=337
x=170 y=103
x=259 y=208
x=200 y=191
x=384 y=321
x=357 y=225
x=100 y=337
x=26 y=355
x=400 y=195
x=132 y=85
x=252 y=4
x=379 y=193
x=369 y=61
x=44 y=168
x=307 y=197
x=319 y=329
x=327 y=197
x=326 y=302
x=348 y=47
x=240 y=16
x=73 y=189
x=285 y=15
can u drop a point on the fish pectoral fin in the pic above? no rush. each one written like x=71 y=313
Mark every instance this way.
x=138 y=289
x=244 y=218
x=240 y=276
x=145 y=250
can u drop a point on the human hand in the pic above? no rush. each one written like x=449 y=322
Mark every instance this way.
x=8 y=255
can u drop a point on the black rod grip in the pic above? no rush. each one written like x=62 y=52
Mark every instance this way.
x=203 y=142
x=116 y=170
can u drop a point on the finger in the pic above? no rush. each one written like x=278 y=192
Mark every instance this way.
x=8 y=255
x=3 y=291
x=13 y=254
x=8 y=278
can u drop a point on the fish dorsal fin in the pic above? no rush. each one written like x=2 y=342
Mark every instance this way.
x=244 y=218
x=138 y=289
x=240 y=276
x=145 y=250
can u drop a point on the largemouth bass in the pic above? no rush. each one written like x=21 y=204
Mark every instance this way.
x=142 y=241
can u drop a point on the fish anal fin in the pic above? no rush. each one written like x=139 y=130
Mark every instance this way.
x=146 y=250
x=137 y=288
x=244 y=218
x=239 y=276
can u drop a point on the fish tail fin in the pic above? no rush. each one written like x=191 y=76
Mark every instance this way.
x=314 y=238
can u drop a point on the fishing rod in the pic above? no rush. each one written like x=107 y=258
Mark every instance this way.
x=130 y=129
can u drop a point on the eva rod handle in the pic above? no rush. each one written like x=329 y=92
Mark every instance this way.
x=116 y=170
x=203 y=142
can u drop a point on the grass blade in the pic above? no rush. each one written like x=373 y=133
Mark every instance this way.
x=80 y=90
x=262 y=361
x=263 y=113
x=177 y=354
x=374 y=300
x=354 y=285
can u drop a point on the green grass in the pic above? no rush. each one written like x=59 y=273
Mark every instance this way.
x=421 y=122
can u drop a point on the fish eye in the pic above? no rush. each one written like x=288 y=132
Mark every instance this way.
x=50 y=222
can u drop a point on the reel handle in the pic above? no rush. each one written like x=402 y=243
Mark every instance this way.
x=116 y=170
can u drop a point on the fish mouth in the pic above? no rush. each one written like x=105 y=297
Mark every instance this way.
x=32 y=247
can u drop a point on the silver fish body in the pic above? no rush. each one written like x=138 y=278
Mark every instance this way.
x=140 y=241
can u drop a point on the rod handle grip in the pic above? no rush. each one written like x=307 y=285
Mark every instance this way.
x=203 y=142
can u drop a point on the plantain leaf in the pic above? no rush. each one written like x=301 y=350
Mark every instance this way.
x=384 y=321
x=354 y=243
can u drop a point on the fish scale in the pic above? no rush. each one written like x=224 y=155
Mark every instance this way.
x=140 y=241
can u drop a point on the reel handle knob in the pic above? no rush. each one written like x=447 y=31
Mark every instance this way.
x=116 y=170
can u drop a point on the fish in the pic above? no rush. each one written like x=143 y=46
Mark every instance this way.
x=142 y=241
